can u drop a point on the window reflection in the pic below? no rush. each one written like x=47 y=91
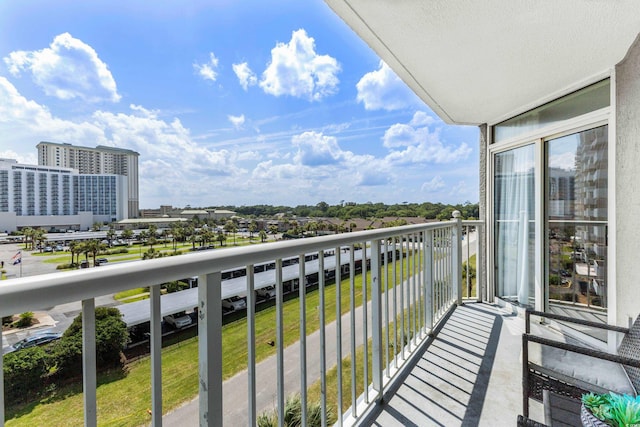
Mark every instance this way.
x=577 y=215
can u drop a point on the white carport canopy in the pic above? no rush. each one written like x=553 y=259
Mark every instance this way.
x=137 y=312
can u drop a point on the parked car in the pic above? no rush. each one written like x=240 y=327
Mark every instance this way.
x=234 y=303
x=178 y=320
x=48 y=249
x=101 y=261
x=266 y=293
x=84 y=264
x=41 y=338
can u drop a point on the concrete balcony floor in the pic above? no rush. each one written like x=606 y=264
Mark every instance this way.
x=469 y=375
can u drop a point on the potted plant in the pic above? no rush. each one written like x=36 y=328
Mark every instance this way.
x=610 y=410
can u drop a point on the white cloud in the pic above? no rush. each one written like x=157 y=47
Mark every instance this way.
x=23 y=121
x=419 y=144
x=434 y=185
x=173 y=167
x=67 y=69
x=236 y=121
x=246 y=77
x=565 y=161
x=420 y=118
x=316 y=149
x=208 y=70
x=383 y=90
x=297 y=70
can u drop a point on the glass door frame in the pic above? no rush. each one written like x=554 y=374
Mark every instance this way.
x=538 y=138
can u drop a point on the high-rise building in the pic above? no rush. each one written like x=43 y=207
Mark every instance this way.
x=58 y=198
x=98 y=160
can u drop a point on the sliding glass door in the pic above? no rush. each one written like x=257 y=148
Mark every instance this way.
x=576 y=223
x=514 y=224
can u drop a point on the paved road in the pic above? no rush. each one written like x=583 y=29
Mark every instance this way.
x=235 y=389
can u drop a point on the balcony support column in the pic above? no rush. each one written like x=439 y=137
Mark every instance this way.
x=210 y=349
x=456 y=261
x=376 y=318
x=89 y=381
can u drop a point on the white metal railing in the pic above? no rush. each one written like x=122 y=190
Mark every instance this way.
x=415 y=278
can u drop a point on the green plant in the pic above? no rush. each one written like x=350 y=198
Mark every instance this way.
x=26 y=319
x=24 y=372
x=614 y=409
x=293 y=414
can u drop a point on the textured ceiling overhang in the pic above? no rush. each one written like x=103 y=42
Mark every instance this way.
x=479 y=62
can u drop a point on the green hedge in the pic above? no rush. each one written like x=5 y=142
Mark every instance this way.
x=28 y=372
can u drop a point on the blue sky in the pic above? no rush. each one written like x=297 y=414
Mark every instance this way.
x=227 y=102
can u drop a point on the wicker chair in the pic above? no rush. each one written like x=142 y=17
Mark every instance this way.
x=573 y=370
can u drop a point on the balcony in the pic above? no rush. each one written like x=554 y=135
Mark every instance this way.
x=430 y=359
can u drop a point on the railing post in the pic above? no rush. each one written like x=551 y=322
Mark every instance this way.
x=428 y=280
x=376 y=318
x=456 y=268
x=302 y=301
x=280 y=341
x=251 y=347
x=480 y=283
x=210 y=349
x=89 y=380
x=156 y=357
x=1 y=387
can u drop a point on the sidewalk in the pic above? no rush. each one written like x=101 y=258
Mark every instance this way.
x=234 y=390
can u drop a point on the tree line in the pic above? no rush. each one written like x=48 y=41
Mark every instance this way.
x=349 y=210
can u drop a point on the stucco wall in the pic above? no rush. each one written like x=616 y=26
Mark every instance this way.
x=487 y=294
x=627 y=185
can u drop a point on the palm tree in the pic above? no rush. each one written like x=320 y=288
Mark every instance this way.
x=27 y=234
x=111 y=233
x=127 y=235
x=176 y=234
x=230 y=227
x=312 y=226
x=253 y=227
x=165 y=236
x=38 y=236
x=263 y=235
x=73 y=248
x=221 y=238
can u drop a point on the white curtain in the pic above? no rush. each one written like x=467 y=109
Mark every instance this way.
x=514 y=223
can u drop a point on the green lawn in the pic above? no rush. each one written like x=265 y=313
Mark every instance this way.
x=124 y=400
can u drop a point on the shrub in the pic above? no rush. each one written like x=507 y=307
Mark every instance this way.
x=175 y=286
x=293 y=414
x=66 y=266
x=26 y=320
x=111 y=337
x=23 y=373
x=7 y=320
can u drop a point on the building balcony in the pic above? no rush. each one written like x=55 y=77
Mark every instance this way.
x=425 y=358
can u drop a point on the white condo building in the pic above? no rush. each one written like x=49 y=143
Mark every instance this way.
x=98 y=160
x=58 y=197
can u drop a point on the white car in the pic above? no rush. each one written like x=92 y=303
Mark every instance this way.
x=267 y=292
x=234 y=303
x=178 y=320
